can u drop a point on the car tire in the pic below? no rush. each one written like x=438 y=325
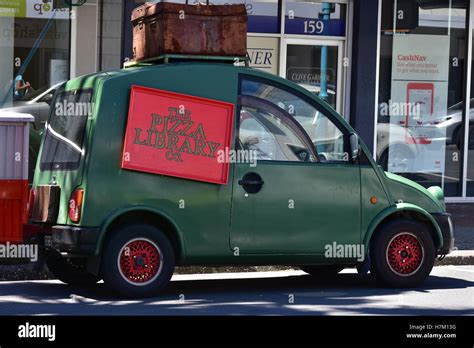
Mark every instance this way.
x=457 y=138
x=71 y=271
x=138 y=261
x=322 y=271
x=470 y=141
x=383 y=160
x=397 y=151
x=402 y=254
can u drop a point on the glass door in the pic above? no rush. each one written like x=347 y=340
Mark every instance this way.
x=317 y=66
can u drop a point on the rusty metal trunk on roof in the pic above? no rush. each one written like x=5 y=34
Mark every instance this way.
x=170 y=28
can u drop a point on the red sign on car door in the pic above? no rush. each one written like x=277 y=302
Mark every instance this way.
x=177 y=135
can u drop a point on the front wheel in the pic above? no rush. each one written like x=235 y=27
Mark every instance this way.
x=402 y=254
x=138 y=261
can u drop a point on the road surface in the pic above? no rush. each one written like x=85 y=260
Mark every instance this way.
x=448 y=291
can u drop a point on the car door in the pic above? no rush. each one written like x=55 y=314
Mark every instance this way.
x=302 y=192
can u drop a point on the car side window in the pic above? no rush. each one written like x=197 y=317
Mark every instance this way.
x=326 y=138
x=270 y=137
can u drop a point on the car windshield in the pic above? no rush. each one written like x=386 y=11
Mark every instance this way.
x=63 y=144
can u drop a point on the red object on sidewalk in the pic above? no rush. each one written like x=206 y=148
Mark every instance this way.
x=14 y=139
x=13 y=202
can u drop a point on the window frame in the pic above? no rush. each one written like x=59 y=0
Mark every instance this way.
x=65 y=166
x=312 y=102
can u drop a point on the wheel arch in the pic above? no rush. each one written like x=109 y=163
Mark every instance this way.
x=404 y=210
x=147 y=215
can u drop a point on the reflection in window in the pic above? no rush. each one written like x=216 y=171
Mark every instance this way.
x=270 y=137
x=324 y=134
x=421 y=91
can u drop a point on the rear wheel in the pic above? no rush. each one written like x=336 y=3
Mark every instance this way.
x=400 y=157
x=71 y=271
x=323 y=270
x=459 y=135
x=457 y=138
x=138 y=261
x=402 y=254
x=471 y=138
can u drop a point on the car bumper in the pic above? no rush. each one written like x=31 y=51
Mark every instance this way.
x=69 y=239
x=447 y=231
x=73 y=239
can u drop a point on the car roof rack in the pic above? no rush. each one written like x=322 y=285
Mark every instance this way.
x=173 y=58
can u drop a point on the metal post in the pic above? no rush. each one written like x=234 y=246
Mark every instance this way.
x=323 y=84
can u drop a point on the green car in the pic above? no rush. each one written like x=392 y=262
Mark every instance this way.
x=307 y=194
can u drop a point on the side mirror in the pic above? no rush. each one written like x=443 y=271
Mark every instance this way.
x=354 y=145
x=48 y=98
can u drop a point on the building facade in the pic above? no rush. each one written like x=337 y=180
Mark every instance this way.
x=398 y=70
x=48 y=41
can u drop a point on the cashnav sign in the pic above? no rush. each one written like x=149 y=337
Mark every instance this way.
x=420 y=84
x=177 y=135
x=31 y=9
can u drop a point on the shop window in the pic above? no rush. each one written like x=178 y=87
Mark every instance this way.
x=470 y=140
x=34 y=51
x=421 y=90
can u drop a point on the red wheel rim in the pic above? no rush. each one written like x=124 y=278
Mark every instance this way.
x=404 y=254
x=140 y=261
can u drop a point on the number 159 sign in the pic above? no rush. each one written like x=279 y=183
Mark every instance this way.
x=315 y=26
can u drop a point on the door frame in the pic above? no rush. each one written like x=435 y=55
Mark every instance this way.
x=318 y=42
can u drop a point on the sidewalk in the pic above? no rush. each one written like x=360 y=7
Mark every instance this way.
x=463 y=220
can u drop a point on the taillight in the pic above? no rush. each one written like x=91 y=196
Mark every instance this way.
x=31 y=202
x=75 y=205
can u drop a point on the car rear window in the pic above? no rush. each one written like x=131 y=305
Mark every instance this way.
x=63 y=144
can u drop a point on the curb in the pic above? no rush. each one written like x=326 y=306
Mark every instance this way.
x=457 y=257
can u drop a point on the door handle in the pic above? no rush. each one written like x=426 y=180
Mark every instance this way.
x=251 y=183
